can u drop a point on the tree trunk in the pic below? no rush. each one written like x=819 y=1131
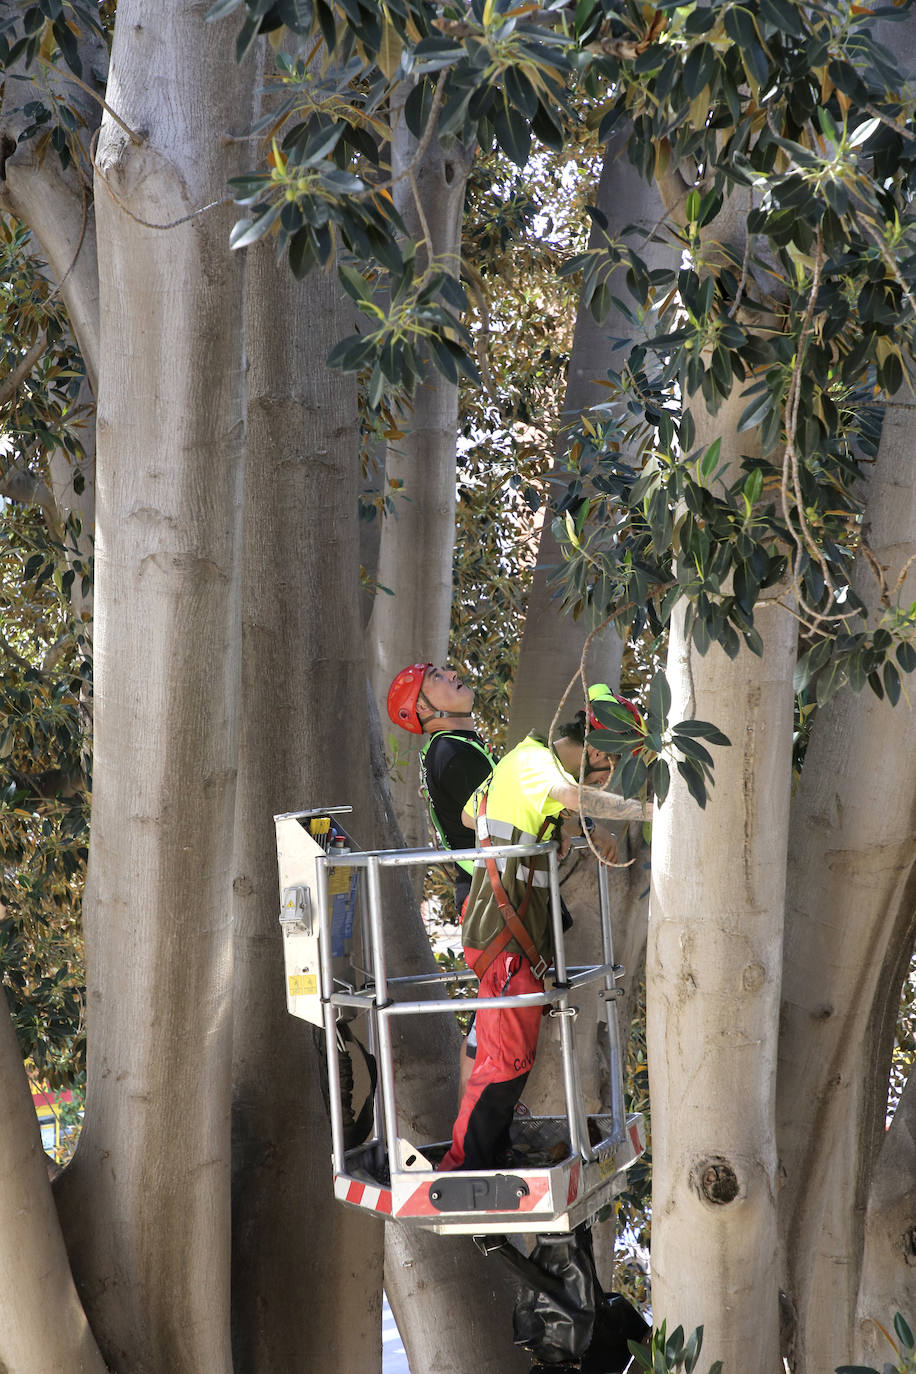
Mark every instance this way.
x=55 y=203
x=851 y=902
x=146 y=1200
x=417 y=544
x=304 y=743
x=713 y=971
x=889 y=1261
x=552 y=642
x=34 y=1272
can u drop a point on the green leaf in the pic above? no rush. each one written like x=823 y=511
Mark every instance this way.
x=631 y=775
x=640 y=1355
x=301 y=253
x=753 y=486
x=906 y=656
x=904 y=1333
x=67 y=42
x=696 y=783
x=355 y=284
x=351 y=354
x=248 y=231
x=297 y=15
x=891 y=683
x=710 y=459
x=659 y=699
x=246 y=37
x=512 y=133
x=756 y=411
x=863 y=132
x=828 y=127
x=692 y=1349
x=810 y=663
x=701 y=729
x=443 y=359
x=693 y=749
x=520 y=92
x=660 y=775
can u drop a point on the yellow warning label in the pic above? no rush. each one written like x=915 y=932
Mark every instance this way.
x=338 y=881
x=303 y=985
x=607 y=1164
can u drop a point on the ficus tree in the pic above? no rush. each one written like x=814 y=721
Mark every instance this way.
x=745 y=475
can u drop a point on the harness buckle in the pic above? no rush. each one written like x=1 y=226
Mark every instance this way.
x=540 y=968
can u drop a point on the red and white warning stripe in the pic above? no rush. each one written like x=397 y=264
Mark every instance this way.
x=537 y=1199
x=358 y=1194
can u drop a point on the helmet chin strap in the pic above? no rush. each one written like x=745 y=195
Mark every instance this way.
x=439 y=715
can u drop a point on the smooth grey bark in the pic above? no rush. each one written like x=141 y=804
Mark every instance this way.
x=57 y=204
x=714 y=965
x=35 y=1276
x=851 y=921
x=146 y=1200
x=553 y=641
x=889 y=1259
x=417 y=542
x=303 y=743
x=713 y=976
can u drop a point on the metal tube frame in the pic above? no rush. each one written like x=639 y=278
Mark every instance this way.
x=375 y=1001
x=615 y=1060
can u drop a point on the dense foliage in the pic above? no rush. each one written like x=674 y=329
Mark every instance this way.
x=791 y=288
x=44 y=672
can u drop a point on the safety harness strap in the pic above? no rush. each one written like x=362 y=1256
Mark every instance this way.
x=464 y=864
x=513 y=929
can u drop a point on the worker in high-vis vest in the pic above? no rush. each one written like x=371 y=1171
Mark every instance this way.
x=532 y=792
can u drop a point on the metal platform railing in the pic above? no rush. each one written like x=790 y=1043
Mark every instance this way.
x=381 y=1001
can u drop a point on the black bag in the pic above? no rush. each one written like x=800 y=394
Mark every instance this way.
x=567 y=1316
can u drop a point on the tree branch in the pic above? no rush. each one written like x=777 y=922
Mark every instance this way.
x=18 y=484
x=11 y=384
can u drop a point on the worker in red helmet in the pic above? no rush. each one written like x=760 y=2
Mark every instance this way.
x=454 y=761
x=532 y=793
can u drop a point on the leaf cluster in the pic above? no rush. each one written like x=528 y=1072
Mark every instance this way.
x=47 y=29
x=43 y=413
x=647 y=747
x=49 y=34
x=668 y=1354
x=43 y=800
x=496 y=74
x=807 y=312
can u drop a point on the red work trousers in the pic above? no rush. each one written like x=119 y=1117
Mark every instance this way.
x=506 y=1046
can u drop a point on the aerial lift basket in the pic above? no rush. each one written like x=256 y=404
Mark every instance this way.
x=568 y=1167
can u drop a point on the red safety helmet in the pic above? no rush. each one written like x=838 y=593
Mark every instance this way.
x=601 y=692
x=402 y=697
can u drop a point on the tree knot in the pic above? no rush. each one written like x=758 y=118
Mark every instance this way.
x=716 y=1181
